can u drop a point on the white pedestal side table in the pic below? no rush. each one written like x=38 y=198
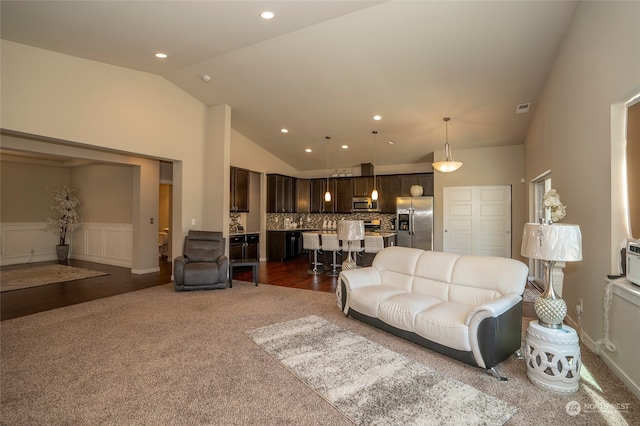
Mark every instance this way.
x=553 y=357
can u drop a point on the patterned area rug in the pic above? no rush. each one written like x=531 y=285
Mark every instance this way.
x=370 y=384
x=43 y=275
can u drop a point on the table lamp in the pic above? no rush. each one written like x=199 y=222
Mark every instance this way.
x=350 y=230
x=551 y=243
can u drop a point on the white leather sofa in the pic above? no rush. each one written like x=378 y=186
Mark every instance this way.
x=466 y=307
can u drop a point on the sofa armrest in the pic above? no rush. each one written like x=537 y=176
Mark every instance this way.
x=493 y=308
x=363 y=277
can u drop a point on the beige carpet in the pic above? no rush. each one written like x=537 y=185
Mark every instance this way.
x=43 y=275
x=155 y=356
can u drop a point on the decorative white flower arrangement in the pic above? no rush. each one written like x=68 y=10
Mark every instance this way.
x=551 y=200
x=66 y=204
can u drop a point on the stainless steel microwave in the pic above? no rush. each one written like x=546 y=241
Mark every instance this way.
x=364 y=204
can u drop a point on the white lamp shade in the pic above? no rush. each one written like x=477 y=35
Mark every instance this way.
x=351 y=230
x=557 y=242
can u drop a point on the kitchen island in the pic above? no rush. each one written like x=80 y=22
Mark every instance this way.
x=362 y=258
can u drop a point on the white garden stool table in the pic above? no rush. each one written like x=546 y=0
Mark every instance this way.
x=553 y=357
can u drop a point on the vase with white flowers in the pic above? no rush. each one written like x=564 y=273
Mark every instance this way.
x=66 y=205
x=551 y=200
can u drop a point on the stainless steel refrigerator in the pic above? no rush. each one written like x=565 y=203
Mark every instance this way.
x=414 y=222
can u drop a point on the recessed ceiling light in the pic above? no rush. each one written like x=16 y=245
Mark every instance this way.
x=161 y=55
x=284 y=130
x=391 y=142
x=345 y=146
x=206 y=78
x=267 y=15
x=377 y=117
x=307 y=150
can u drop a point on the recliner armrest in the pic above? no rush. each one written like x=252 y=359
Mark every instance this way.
x=223 y=268
x=494 y=308
x=178 y=269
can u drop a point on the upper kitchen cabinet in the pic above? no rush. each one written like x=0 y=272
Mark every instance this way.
x=343 y=195
x=318 y=189
x=362 y=186
x=406 y=181
x=303 y=195
x=239 y=190
x=387 y=193
x=281 y=193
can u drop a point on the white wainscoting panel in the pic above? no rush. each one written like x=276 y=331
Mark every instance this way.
x=26 y=242
x=108 y=243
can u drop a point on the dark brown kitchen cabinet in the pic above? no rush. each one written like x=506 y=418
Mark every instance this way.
x=303 y=195
x=387 y=193
x=244 y=246
x=281 y=194
x=283 y=245
x=343 y=195
x=239 y=190
x=362 y=186
x=405 y=182
x=318 y=189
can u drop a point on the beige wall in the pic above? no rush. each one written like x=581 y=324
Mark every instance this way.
x=105 y=192
x=95 y=105
x=598 y=66
x=481 y=167
x=24 y=198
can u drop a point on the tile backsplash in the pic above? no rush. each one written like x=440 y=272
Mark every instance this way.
x=315 y=220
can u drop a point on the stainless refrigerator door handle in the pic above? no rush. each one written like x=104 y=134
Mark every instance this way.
x=412 y=224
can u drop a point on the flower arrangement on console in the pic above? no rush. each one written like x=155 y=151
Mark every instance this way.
x=66 y=205
x=551 y=200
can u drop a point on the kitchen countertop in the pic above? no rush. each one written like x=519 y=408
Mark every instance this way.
x=235 y=234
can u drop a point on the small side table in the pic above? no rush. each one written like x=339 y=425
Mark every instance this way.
x=243 y=262
x=553 y=357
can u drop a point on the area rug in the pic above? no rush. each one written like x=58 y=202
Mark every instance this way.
x=43 y=275
x=371 y=384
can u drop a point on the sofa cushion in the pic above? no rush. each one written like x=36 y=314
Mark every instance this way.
x=366 y=300
x=479 y=279
x=444 y=324
x=396 y=266
x=400 y=310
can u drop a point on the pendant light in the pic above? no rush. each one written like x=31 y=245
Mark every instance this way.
x=447 y=165
x=374 y=193
x=327 y=195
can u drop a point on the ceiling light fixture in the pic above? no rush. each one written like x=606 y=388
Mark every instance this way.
x=206 y=78
x=344 y=146
x=447 y=165
x=161 y=55
x=284 y=130
x=391 y=142
x=377 y=117
x=374 y=193
x=267 y=15
x=327 y=194
x=307 y=150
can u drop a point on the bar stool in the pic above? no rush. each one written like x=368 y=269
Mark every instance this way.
x=373 y=243
x=311 y=241
x=331 y=243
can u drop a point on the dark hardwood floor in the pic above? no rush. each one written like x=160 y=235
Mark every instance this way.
x=18 y=303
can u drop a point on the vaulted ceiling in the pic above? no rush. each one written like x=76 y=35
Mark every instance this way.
x=325 y=68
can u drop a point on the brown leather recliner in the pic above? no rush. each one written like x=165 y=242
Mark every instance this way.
x=203 y=264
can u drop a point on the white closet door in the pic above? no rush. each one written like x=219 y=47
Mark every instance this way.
x=477 y=220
